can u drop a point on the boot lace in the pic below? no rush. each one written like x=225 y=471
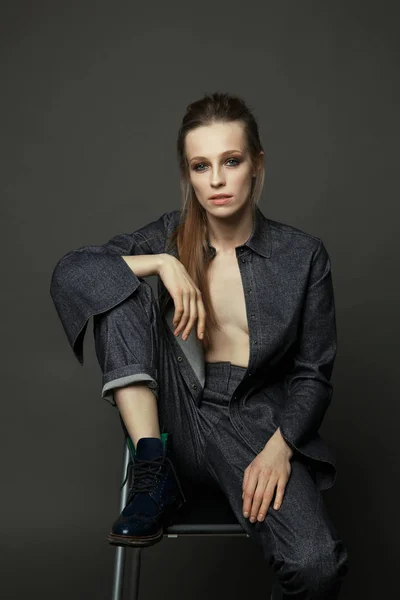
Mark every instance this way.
x=146 y=474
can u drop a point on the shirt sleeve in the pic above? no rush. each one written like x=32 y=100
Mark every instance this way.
x=93 y=279
x=309 y=387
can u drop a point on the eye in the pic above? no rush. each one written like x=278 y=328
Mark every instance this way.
x=195 y=168
x=235 y=160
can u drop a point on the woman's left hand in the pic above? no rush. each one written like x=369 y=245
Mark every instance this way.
x=270 y=468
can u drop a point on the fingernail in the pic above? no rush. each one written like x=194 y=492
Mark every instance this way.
x=276 y=506
x=246 y=514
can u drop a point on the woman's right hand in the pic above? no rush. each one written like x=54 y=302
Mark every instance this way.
x=186 y=296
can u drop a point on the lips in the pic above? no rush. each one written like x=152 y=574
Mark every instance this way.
x=218 y=196
x=221 y=200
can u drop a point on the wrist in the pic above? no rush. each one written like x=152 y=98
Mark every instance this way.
x=161 y=260
x=280 y=440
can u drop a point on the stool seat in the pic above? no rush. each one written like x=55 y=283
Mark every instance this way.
x=205 y=512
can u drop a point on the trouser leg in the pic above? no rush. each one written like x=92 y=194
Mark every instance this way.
x=299 y=541
x=132 y=347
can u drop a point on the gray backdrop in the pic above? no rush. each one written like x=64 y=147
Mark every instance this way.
x=93 y=94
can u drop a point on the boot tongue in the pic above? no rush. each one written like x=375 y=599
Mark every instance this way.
x=148 y=448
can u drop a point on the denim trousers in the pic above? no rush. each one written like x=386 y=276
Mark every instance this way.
x=299 y=540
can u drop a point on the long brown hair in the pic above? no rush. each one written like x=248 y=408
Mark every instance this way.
x=191 y=234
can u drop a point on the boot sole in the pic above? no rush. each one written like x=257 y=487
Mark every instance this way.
x=135 y=541
x=143 y=540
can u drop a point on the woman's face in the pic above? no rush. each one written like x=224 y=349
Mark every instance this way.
x=219 y=164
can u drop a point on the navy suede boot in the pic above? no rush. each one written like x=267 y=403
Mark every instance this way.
x=154 y=496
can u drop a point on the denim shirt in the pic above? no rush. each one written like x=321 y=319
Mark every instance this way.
x=287 y=283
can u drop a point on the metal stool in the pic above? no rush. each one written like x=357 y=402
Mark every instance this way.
x=208 y=513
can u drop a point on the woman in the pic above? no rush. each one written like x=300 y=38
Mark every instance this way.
x=233 y=365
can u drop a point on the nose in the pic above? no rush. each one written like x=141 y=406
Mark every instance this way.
x=217 y=177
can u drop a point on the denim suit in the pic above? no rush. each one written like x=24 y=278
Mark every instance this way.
x=287 y=281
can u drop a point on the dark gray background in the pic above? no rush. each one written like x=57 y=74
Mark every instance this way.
x=93 y=94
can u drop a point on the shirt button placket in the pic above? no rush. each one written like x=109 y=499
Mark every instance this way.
x=248 y=290
x=238 y=421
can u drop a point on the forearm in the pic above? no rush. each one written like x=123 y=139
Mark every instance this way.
x=308 y=382
x=305 y=408
x=91 y=279
x=144 y=265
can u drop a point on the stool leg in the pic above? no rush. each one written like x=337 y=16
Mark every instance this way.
x=119 y=564
x=135 y=573
x=119 y=567
x=276 y=591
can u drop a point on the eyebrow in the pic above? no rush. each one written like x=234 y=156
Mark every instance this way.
x=222 y=154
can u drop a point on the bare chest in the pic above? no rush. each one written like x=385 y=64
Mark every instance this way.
x=227 y=295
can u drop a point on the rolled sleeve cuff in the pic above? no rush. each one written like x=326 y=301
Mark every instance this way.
x=125 y=376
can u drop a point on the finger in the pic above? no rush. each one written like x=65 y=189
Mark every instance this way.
x=268 y=495
x=245 y=479
x=280 y=490
x=178 y=308
x=201 y=323
x=258 y=497
x=192 y=317
x=186 y=309
x=185 y=313
x=249 y=492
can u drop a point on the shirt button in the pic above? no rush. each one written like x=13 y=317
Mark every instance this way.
x=180 y=358
x=253 y=315
x=194 y=386
x=249 y=290
x=243 y=260
x=255 y=343
x=249 y=374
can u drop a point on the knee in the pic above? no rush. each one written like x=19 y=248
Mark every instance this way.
x=127 y=329
x=318 y=573
x=142 y=296
x=321 y=572
x=139 y=304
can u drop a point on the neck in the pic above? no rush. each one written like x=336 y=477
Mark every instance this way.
x=225 y=234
